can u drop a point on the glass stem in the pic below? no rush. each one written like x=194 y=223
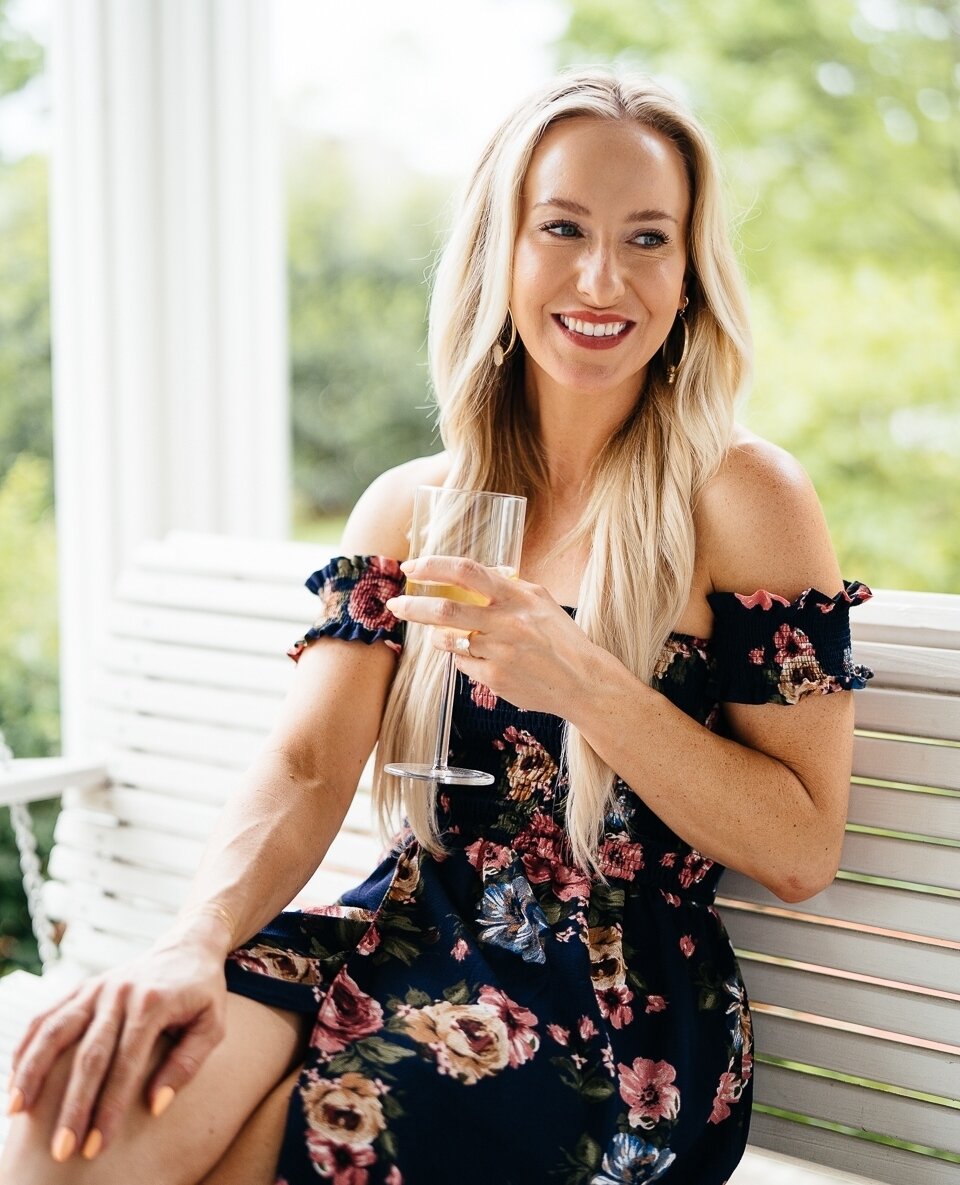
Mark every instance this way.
x=446 y=714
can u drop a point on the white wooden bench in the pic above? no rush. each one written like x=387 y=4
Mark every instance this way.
x=855 y=993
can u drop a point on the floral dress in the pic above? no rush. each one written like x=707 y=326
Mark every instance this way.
x=498 y=1016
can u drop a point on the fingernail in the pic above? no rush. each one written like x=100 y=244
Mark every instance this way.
x=389 y=603
x=63 y=1145
x=407 y=565
x=162 y=1100
x=92 y=1144
x=15 y=1105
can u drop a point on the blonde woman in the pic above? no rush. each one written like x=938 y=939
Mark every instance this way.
x=534 y=986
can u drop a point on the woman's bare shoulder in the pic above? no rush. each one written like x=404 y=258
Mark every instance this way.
x=380 y=521
x=760 y=523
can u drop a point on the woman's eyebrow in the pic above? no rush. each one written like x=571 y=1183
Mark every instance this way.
x=650 y=215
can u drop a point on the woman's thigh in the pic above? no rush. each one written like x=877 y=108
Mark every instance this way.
x=260 y=1048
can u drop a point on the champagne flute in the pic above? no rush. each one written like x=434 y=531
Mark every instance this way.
x=476 y=525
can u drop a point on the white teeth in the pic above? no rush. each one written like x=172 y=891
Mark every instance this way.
x=589 y=329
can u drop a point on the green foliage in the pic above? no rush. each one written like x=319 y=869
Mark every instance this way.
x=20 y=56
x=357 y=331
x=29 y=696
x=29 y=704
x=841 y=139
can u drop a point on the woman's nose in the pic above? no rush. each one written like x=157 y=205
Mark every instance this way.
x=600 y=280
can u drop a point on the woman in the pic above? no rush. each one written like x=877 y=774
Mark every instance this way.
x=534 y=985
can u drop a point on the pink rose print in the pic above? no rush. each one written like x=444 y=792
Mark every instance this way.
x=559 y=1034
x=532 y=769
x=647 y=1089
x=482 y=696
x=522 y=1038
x=687 y=945
x=655 y=1004
x=614 y=1004
x=695 y=868
x=544 y=848
x=377 y=584
x=756 y=656
x=670 y=898
x=459 y=950
x=620 y=858
x=394 y=1177
x=345 y=1015
x=791 y=643
x=729 y=1091
x=668 y=859
x=587 y=1028
x=487 y=857
x=369 y=942
x=341 y=1164
x=761 y=599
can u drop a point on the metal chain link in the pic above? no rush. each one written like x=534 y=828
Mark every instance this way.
x=30 y=868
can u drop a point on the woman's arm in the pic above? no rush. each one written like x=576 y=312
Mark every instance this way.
x=772 y=801
x=272 y=835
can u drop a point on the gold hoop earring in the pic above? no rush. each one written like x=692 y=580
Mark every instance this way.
x=673 y=369
x=499 y=353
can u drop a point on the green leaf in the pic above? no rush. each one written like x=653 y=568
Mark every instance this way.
x=382 y=1053
x=457 y=993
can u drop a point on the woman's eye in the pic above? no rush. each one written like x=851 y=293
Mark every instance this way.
x=651 y=238
x=561 y=230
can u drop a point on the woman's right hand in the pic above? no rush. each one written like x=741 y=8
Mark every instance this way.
x=176 y=989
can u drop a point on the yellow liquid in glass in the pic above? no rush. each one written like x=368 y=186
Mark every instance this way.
x=450 y=592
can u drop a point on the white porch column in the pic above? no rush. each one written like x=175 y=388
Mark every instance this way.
x=168 y=293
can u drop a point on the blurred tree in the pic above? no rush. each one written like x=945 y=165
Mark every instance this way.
x=839 y=125
x=357 y=329
x=29 y=692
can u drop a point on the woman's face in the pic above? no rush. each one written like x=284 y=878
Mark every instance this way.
x=600 y=255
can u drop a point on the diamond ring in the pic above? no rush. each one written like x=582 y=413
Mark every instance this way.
x=462 y=644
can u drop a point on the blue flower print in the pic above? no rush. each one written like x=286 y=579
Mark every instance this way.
x=512 y=918
x=630 y=1161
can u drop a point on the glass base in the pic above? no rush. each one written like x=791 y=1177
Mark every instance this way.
x=449 y=775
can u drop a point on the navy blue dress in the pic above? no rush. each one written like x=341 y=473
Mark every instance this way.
x=498 y=1017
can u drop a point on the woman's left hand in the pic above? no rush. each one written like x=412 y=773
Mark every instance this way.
x=523 y=645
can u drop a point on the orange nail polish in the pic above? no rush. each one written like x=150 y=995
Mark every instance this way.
x=162 y=1100
x=15 y=1105
x=64 y=1143
x=92 y=1144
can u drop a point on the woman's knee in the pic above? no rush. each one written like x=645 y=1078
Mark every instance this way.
x=181 y=1146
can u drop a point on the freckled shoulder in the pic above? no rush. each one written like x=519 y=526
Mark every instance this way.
x=760 y=524
x=380 y=522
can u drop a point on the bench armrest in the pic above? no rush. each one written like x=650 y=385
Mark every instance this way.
x=32 y=779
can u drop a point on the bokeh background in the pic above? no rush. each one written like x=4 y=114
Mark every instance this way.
x=838 y=120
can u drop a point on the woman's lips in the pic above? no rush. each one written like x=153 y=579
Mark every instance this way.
x=594 y=341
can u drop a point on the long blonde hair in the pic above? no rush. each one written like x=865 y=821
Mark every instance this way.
x=646 y=479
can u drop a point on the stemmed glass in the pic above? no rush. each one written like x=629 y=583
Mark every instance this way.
x=476 y=525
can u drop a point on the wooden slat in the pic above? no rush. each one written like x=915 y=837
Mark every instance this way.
x=33 y=779
x=862 y=953
x=871 y=905
x=883 y=806
x=283 y=561
x=186 y=701
x=905 y=1012
x=910 y=668
x=197 y=664
x=221 y=597
x=907 y=761
x=807 y=1040
x=910 y=713
x=207 y=744
x=893 y=1114
x=927 y=863
x=880 y=1162
x=208 y=630
x=916 y=619
x=172 y=775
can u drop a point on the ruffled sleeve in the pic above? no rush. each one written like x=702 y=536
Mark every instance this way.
x=353 y=591
x=767 y=650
